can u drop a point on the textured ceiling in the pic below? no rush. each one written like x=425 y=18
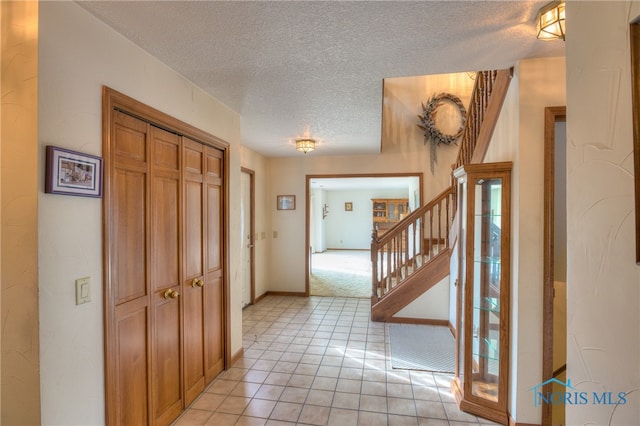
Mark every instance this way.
x=316 y=68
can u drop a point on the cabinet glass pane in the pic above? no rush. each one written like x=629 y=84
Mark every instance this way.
x=486 y=288
x=390 y=211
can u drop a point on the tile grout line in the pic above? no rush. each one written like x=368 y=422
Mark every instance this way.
x=270 y=331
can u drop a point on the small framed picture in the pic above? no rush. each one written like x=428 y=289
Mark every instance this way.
x=286 y=202
x=72 y=173
x=348 y=207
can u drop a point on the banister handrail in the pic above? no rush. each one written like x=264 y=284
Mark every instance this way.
x=489 y=92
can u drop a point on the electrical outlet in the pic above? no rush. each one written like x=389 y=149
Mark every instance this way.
x=83 y=290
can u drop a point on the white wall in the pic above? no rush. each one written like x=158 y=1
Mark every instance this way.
x=433 y=304
x=77 y=55
x=603 y=281
x=317 y=231
x=519 y=137
x=402 y=101
x=352 y=230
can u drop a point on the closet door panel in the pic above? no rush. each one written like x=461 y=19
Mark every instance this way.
x=194 y=278
x=165 y=233
x=166 y=384
x=193 y=229
x=131 y=362
x=214 y=273
x=165 y=275
x=127 y=332
x=129 y=228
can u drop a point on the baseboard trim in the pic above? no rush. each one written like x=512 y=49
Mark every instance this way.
x=512 y=422
x=344 y=249
x=422 y=321
x=237 y=356
x=285 y=293
x=259 y=298
x=452 y=330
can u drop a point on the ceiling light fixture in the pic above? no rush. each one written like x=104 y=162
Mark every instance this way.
x=305 y=145
x=550 y=22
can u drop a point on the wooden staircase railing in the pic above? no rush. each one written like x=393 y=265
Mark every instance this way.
x=406 y=249
x=488 y=95
x=410 y=244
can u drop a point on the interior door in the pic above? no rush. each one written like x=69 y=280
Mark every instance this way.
x=214 y=295
x=246 y=212
x=193 y=283
x=164 y=266
x=127 y=290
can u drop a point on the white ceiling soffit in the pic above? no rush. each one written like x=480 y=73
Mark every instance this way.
x=363 y=183
x=315 y=68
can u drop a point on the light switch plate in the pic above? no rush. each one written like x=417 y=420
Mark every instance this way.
x=83 y=290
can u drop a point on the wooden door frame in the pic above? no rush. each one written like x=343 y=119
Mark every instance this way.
x=551 y=116
x=308 y=178
x=252 y=226
x=114 y=100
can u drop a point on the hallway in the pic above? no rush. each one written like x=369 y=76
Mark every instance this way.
x=321 y=361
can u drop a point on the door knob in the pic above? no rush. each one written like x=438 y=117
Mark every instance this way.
x=171 y=294
x=197 y=282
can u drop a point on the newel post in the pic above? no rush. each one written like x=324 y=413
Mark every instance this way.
x=374 y=264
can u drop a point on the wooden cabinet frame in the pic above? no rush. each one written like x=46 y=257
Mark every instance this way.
x=483 y=315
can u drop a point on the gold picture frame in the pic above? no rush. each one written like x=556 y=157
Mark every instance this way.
x=348 y=206
x=286 y=202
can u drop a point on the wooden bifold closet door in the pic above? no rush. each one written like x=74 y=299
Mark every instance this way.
x=164 y=293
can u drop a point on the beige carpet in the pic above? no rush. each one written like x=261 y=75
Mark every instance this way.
x=341 y=273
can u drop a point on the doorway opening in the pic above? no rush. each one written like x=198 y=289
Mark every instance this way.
x=554 y=331
x=340 y=219
x=247 y=223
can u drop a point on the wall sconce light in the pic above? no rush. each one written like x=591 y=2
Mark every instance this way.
x=325 y=211
x=550 y=22
x=305 y=145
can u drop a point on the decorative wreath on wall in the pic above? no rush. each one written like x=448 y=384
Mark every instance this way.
x=428 y=120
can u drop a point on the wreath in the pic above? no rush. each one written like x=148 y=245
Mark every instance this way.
x=428 y=120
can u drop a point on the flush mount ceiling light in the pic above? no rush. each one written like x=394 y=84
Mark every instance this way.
x=550 y=21
x=305 y=145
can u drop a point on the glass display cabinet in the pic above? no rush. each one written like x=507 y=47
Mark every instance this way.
x=482 y=347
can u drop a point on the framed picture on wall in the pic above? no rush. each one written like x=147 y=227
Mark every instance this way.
x=348 y=207
x=286 y=202
x=72 y=173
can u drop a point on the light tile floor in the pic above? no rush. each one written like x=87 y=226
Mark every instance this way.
x=321 y=361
